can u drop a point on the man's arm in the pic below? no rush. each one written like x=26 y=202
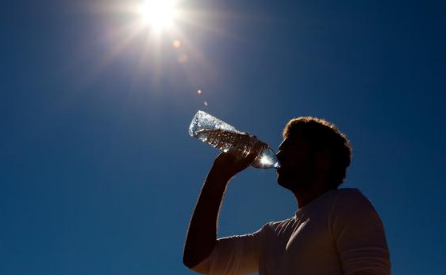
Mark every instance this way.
x=360 y=237
x=202 y=233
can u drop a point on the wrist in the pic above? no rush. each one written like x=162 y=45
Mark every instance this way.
x=219 y=176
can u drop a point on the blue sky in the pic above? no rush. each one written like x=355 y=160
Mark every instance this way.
x=98 y=174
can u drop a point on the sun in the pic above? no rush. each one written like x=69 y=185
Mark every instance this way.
x=156 y=30
x=158 y=14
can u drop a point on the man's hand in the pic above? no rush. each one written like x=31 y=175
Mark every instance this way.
x=227 y=165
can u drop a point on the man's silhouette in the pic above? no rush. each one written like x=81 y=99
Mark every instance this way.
x=334 y=231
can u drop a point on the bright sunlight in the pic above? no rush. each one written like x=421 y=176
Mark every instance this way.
x=158 y=14
x=154 y=31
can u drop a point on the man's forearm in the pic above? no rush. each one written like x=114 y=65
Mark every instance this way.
x=202 y=233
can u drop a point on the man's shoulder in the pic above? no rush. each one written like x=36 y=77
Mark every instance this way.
x=349 y=193
x=351 y=199
x=348 y=190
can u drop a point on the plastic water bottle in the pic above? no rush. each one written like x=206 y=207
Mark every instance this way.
x=225 y=137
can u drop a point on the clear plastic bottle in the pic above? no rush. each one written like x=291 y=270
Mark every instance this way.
x=225 y=137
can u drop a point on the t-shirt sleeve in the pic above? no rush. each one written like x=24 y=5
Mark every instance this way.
x=359 y=235
x=233 y=255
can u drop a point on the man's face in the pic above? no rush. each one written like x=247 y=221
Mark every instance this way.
x=297 y=169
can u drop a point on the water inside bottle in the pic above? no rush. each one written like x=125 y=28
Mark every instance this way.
x=225 y=137
x=225 y=140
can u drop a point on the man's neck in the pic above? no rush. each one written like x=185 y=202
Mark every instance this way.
x=305 y=197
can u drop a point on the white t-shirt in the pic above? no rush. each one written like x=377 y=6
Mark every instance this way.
x=339 y=233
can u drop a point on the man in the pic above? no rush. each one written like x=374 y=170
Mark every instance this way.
x=334 y=231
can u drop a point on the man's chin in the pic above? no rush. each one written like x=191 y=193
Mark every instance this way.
x=292 y=184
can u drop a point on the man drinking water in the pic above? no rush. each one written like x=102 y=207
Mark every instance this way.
x=334 y=231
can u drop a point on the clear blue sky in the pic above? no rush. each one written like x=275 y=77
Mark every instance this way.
x=98 y=175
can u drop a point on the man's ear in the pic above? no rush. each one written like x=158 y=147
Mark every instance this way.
x=322 y=160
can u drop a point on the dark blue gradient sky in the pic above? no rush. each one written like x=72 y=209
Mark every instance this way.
x=98 y=175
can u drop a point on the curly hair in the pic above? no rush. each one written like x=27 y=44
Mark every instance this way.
x=323 y=135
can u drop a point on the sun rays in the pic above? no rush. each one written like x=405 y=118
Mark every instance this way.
x=154 y=34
